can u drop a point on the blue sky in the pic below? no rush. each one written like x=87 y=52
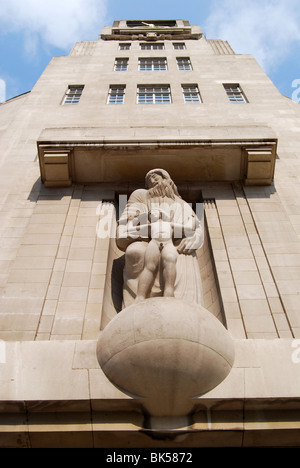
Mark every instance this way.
x=33 y=31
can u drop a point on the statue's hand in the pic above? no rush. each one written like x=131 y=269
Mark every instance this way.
x=159 y=213
x=189 y=245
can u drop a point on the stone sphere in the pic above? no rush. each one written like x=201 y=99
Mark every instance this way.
x=165 y=351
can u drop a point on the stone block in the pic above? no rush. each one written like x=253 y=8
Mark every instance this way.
x=79 y=266
x=73 y=294
x=74 y=279
x=260 y=324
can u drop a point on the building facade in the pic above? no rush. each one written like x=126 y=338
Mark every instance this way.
x=147 y=94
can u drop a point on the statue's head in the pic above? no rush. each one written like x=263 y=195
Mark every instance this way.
x=159 y=183
x=156 y=176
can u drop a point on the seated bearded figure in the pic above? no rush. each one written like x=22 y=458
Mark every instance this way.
x=160 y=235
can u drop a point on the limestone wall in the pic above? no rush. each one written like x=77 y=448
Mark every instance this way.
x=49 y=252
x=53 y=265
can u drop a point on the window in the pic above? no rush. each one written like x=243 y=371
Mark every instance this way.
x=152 y=64
x=124 y=46
x=121 y=64
x=235 y=93
x=179 y=45
x=152 y=46
x=154 y=94
x=184 y=63
x=116 y=94
x=73 y=94
x=191 y=94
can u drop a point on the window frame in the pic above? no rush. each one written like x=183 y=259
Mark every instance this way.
x=179 y=45
x=150 y=96
x=152 y=46
x=124 y=45
x=237 y=95
x=153 y=64
x=114 y=97
x=121 y=66
x=184 y=66
x=73 y=95
x=189 y=92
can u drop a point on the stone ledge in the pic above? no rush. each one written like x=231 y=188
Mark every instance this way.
x=216 y=153
x=54 y=394
x=208 y=428
x=155 y=134
x=68 y=371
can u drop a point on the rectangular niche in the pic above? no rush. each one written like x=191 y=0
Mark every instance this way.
x=112 y=303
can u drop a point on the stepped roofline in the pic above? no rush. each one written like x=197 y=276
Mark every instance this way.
x=151 y=30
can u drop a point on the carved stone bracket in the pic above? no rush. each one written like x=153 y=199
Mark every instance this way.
x=55 y=168
x=260 y=165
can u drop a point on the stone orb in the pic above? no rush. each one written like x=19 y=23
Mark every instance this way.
x=166 y=351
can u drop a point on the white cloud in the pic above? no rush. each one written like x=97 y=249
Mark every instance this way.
x=58 y=23
x=267 y=29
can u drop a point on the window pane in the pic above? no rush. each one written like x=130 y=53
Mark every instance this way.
x=184 y=63
x=154 y=95
x=121 y=64
x=152 y=46
x=73 y=94
x=179 y=46
x=124 y=46
x=153 y=64
x=234 y=93
x=116 y=94
x=191 y=94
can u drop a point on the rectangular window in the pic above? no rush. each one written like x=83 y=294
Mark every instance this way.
x=116 y=94
x=191 y=94
x=152 y=46
x=121 y=64
x=179 y=45
x=152 y=64
x=235 y=93
x=184 y=63
x=73 y=94
x=124 y=46
x=154 y=94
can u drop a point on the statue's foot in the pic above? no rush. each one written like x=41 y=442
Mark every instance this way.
x=139 y=299
x=169 y=292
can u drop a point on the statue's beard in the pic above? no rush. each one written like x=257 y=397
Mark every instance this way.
x=163 y=189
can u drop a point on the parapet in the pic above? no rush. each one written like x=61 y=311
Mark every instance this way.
x=151 y=30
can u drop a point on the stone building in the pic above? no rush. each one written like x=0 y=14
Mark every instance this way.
x=147 y=94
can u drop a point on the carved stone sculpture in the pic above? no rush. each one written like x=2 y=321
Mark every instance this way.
x=164 y=347
x=160 y=234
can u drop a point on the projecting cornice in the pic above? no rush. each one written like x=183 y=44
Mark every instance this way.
x=92 y=155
